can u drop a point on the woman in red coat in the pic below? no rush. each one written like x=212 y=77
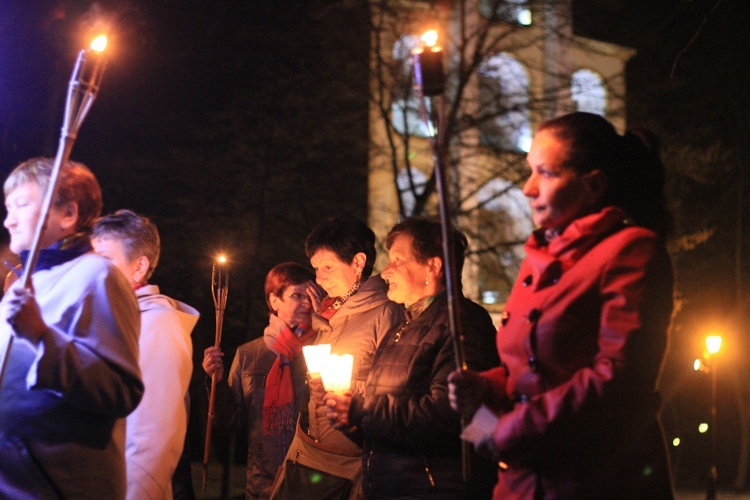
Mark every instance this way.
x=572 y=412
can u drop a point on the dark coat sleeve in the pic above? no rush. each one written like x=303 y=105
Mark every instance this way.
x=415 y=412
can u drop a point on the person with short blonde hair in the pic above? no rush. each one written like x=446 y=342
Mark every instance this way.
x=71 y=375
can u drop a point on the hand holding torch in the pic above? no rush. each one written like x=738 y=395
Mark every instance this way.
x=429 y=79
x=82 y=90
x=219 y=290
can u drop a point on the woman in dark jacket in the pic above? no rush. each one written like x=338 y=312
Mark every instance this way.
x=573 y=411
x=411 y=435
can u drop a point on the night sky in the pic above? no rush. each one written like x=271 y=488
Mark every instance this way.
x=238 y=125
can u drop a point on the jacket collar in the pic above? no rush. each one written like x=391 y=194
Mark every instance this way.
x=548 y=260
x=58 y=253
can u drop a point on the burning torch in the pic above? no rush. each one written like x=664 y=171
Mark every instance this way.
x=429 y=83
x=82 y=90
x=219 y=290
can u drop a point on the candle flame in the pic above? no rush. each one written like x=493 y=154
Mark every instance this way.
x=316 y=357
x=429 y=38
x=221 y=259
x=337 y=373
x=99 y=43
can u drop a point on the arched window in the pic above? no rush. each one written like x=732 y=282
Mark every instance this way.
x=588 y=92
x=503 y=223
x=505 y=199
x=405 y=113
x=512 y=11
x=405 y=189
x=504 y=104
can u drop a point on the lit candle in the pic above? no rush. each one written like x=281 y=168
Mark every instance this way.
x=428 y=66
x=316 y=357
x=337 y=373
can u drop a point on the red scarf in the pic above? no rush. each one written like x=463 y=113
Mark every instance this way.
x=278 y=404
x=326 y=307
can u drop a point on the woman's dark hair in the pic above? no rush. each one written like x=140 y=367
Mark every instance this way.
x=428 y=241
x=283 y=275
x=631 y=162
x=346 y=237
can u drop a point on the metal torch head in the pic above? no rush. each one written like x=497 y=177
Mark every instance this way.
x=429 y=77
x=220 y=282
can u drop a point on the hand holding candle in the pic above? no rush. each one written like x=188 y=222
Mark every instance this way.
x=337 y=410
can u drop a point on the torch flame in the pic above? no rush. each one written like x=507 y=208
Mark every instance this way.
x=99 y=43
x=429 y=38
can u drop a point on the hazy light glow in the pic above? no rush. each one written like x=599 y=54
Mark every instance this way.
x=676 y=442
x=697 y=364
x=221 y=259
x=713 y=344
x=703 y=427
x=99 y=43
x=429 y=38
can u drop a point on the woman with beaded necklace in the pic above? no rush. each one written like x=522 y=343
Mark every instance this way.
x=352 y=313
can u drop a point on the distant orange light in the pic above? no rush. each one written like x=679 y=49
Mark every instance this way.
x=222 y=259
x=99 y=43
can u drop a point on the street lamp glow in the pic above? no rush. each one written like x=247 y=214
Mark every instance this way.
x=713 y=344
x=697 y=364
x=676 y=442
x=703 y=427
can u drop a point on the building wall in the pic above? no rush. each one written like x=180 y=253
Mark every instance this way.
x=548 y=51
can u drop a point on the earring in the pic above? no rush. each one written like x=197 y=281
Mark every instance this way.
x=426 y=282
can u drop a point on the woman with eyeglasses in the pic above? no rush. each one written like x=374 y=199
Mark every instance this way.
x=266 y=383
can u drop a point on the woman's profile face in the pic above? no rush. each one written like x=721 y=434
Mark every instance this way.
x=333 y=274
x=407 y=278
x=557 y=195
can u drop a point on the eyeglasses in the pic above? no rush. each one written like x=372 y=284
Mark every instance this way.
x=299 y=297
